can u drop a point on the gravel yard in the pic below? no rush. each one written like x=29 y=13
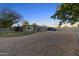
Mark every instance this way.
x=40 y=44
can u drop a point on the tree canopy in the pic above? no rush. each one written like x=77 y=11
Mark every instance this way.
x=25 y=23
x=67 y=13
x=34 y=24
x=8 y=17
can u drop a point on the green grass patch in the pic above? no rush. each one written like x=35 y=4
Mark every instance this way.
x=14 y=34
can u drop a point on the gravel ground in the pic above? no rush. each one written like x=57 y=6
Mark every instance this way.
x=40 y=44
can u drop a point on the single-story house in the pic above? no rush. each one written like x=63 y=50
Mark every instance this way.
x=30 y=28
x=34 y=28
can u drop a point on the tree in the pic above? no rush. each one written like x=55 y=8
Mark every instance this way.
x=25 y=23
x=34 y=24
x=67 y=13
x=8 y=17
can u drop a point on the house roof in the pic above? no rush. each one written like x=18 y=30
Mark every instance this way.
x=16 y=25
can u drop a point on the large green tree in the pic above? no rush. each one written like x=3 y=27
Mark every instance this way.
x=8 y=17
x=67 y=13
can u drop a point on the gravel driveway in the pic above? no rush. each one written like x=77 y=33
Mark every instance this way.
x=39 y=44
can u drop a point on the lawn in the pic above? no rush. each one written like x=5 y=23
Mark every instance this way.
x=14 y=34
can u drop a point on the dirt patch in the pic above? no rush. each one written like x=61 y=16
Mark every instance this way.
x=40 y=44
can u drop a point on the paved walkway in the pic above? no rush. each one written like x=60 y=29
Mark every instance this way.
x=39 y=44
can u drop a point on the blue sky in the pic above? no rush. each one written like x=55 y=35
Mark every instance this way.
x=39 y=13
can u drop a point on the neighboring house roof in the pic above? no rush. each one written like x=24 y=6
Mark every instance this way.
x=16 y=25
x=21 y=25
